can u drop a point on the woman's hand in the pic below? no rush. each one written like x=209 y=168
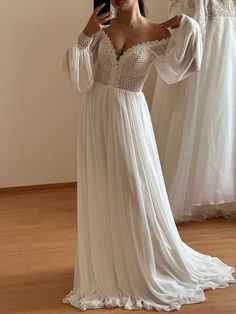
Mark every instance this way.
x=172 y=23
x=96 y=21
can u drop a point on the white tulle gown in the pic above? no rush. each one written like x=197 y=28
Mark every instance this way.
x=195 y=120
x=129 y=252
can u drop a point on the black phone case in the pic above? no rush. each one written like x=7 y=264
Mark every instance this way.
x=105 y=9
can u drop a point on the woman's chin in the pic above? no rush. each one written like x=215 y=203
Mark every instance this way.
x=119 y=4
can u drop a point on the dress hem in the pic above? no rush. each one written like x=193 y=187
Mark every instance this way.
x=201 y=212
x=130 y=303
x=127 y=302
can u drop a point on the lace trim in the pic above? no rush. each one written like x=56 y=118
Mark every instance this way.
x=203 y=11
x=119 y=71
x=200 y=8
x=84 y=41
x=136 y=46
x=203 y=212
x=216 y=9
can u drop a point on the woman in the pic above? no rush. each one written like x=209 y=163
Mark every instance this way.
x=195 y=120
x=129 y=252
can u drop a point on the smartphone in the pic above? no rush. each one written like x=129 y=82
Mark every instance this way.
x=105 y=9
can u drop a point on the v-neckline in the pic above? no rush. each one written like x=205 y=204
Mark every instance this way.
x=118 y=57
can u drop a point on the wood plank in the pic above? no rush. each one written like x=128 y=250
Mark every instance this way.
x=38 y=239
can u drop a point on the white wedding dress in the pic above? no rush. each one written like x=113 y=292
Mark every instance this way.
x=129 y=252
x=195 y=120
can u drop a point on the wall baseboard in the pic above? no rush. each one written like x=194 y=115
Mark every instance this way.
x=38 y=187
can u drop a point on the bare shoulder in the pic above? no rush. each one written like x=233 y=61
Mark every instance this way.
x=157 y=31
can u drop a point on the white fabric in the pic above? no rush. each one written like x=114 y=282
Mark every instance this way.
x=195 y=123
x=129 y=253
x=175 y=59
x=203 y=10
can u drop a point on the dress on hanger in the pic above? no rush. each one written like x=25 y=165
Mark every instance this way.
x=195 y=120
x=129 y=253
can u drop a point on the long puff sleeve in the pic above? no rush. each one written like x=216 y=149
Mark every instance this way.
x=80 y=62
x=182 y=53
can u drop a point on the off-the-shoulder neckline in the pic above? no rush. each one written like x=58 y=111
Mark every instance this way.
x=144 y=43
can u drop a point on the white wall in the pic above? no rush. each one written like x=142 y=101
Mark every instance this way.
x=38 y=110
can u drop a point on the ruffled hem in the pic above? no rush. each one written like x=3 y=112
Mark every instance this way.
x=203 y=212
x=126 y=302
x=222 y=281
x=129 y=303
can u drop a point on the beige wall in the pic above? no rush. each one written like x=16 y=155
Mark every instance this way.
x=38 y=110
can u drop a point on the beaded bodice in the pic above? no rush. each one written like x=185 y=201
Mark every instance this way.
x=130 y=70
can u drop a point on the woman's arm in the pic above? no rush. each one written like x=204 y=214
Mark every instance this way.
x=80 y=60
x=182 y=55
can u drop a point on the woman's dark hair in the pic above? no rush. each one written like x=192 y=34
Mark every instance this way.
x=142 y=7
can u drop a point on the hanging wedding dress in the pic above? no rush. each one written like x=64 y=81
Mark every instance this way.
x=195 y=120
x=129 y=252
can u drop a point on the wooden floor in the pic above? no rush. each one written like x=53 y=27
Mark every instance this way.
x=38 y=239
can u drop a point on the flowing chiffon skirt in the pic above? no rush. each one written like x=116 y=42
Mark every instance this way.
x=129 y=252
x=195 y=127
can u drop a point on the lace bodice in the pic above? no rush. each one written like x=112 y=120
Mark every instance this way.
x=131 y=69
x=95 y=59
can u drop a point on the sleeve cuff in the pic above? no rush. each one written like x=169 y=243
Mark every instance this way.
x=84 y=41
